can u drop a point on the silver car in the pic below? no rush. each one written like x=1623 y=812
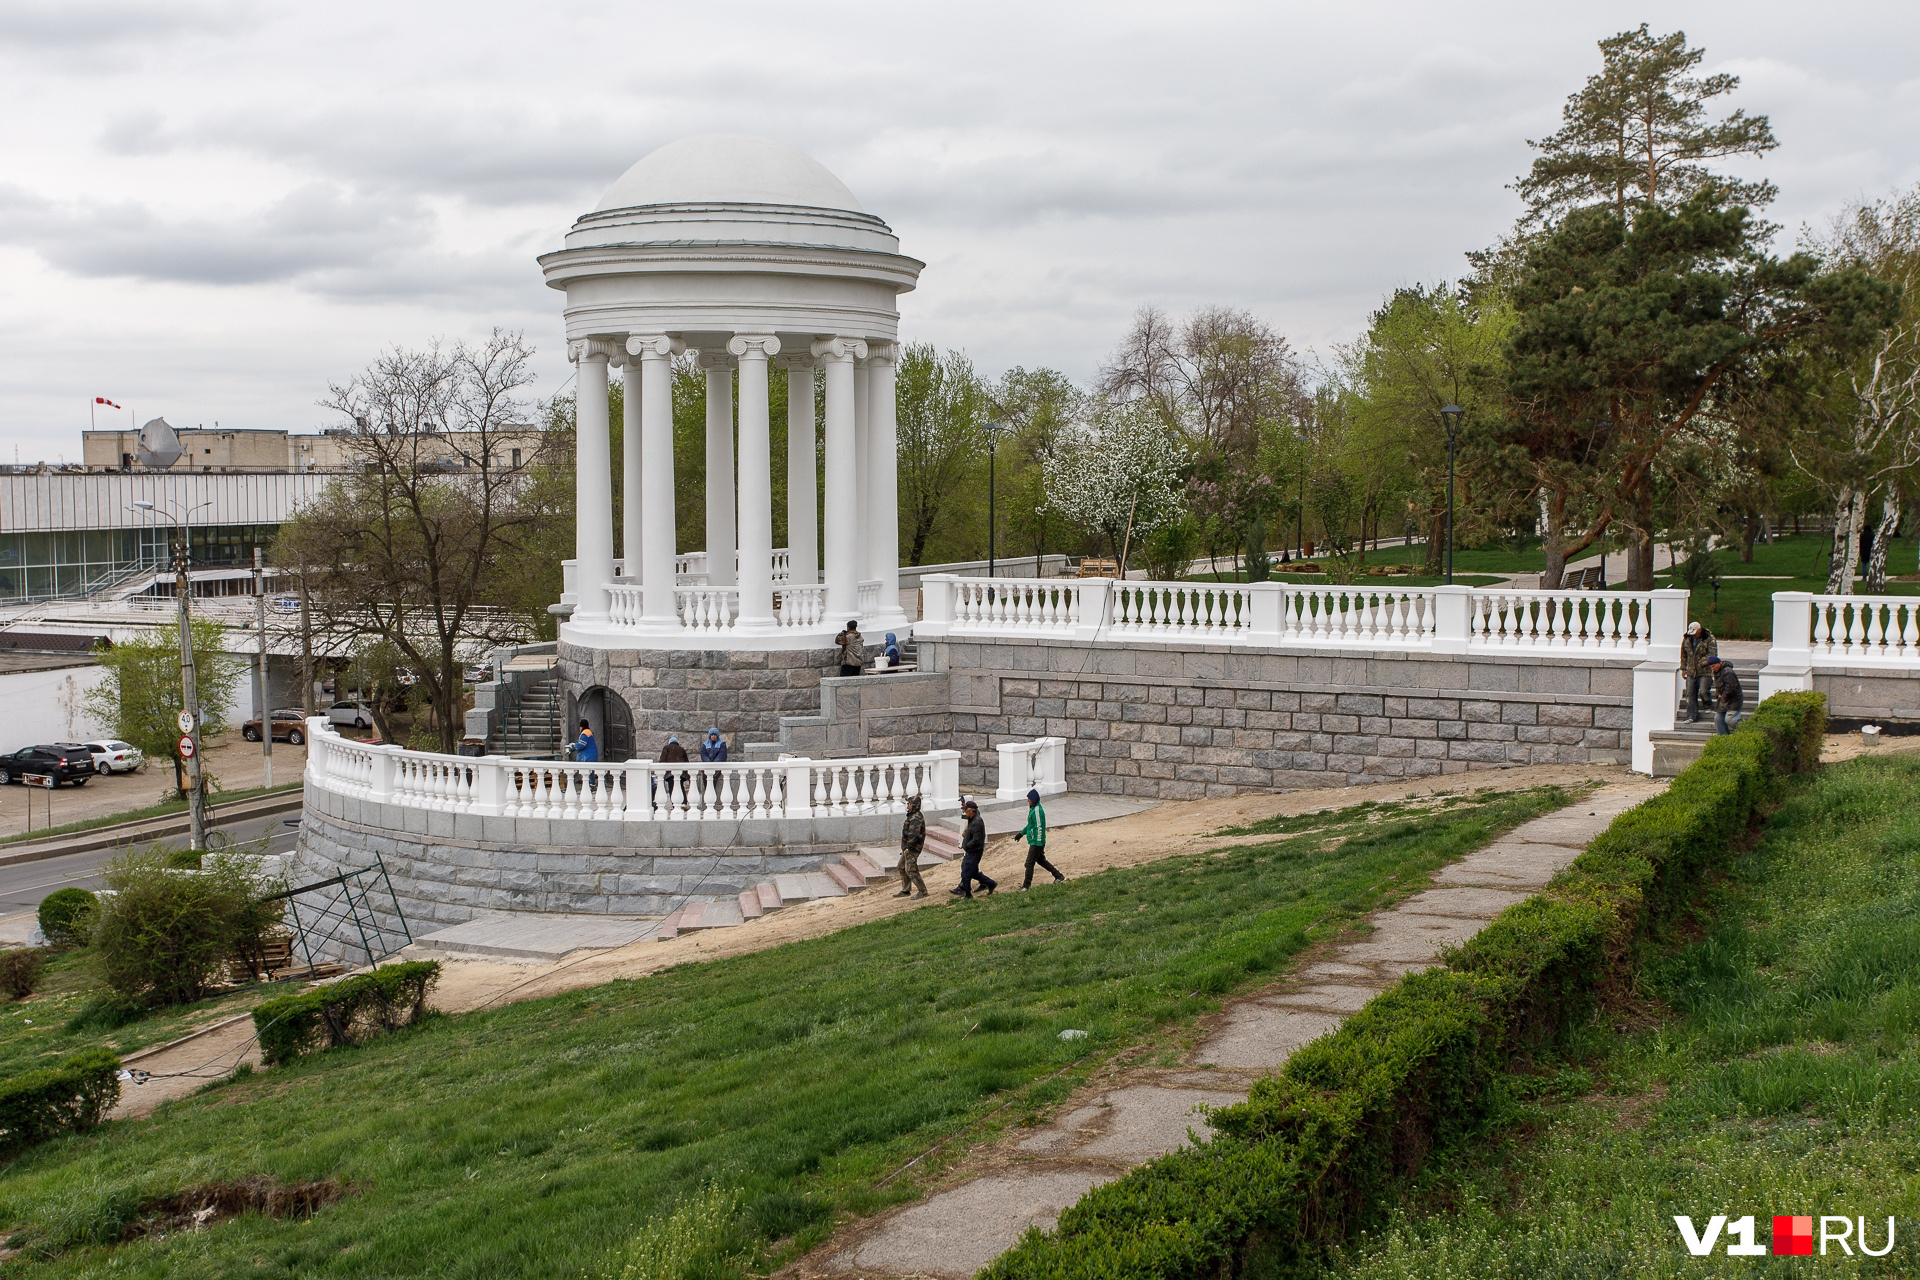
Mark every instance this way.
x=114 y=756
x=356 y=715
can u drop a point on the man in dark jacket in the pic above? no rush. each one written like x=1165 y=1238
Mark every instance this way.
x=853 y=649
x=973 y=844
x=913 y=838
x=1697 y=649
x=674 y=753
x=1729 y=699
x=713 y=749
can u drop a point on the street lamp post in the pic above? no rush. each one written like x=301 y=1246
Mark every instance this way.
x=189 y=693
x=993 y=443
x=1452 y=413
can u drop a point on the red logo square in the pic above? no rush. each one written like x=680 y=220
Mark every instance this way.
x=1793 y=1235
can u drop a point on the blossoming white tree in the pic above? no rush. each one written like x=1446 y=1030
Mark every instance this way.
x=1118 y=471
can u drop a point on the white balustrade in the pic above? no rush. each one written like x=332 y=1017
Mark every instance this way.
x=626 y=604
x=1374 y=617
x=869 y=598
x=1039 y=765
x=690 y=570
x=800 y=606
x=707 y=609
x=1607 y=621
x=1871 y=631
x=633 y=791
x=1202 y=610
x=1014 y=606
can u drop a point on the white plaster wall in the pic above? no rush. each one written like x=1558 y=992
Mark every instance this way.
x=48 y=706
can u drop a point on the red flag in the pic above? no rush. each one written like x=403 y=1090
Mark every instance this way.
x=103 y=400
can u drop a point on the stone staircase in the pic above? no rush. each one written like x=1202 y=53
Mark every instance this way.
x=1676 y=748
x=533 y=729
x=849 y=873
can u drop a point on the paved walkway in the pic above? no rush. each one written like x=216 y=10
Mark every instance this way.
x=1142 y=1113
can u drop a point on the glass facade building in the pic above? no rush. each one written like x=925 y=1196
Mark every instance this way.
x=74 y=563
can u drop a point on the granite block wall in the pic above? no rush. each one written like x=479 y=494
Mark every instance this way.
x=674 y=691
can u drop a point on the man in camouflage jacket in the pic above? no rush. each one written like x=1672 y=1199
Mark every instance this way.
x=913 y=838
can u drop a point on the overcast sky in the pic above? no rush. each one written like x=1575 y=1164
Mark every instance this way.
x=208 y=208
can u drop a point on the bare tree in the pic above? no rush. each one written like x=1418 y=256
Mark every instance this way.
x=407 y=549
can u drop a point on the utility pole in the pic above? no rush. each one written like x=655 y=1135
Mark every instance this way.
x=306 y=647
x=190 y=696
x=260 y=623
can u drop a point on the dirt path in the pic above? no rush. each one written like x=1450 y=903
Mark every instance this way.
x=1133 y=1114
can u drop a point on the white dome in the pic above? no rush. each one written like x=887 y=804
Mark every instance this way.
x=730 y=168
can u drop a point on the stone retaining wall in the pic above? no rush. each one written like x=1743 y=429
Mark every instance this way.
x=676 y=691
x=445 y=871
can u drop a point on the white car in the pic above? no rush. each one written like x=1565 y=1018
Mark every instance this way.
x=114 y=756
x=356 y=715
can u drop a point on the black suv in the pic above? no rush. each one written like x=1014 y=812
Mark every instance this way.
x=70 y=762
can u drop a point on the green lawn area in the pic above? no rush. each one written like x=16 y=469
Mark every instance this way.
x=1744 y=609
x=536 y=1139
x=1769 y=1065
x=1498 y=559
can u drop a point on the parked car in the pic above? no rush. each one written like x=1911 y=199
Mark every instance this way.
x=68 y=762
x=114 y=756
x=357 y=715
x=289 y=725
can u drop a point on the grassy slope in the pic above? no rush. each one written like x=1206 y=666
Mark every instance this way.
x=1785 y=1077
x=533 y=1139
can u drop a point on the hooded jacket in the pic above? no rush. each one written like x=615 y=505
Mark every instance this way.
x=713 y=748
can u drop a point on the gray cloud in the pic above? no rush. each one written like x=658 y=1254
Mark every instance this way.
x=40 y=25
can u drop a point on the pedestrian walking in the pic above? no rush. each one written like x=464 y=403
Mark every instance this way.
x=973 y=844
x=853 y=649
x=1035 y=835
x=1697 y=649
x=585 y=748
x=1729 y=699
x=913 y=838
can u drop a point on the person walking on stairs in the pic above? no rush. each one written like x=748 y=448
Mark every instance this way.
x=973 y=845
x=853 y=649
x=1729 y=699
x=1035 y=835
x=1697 y=649
x=913 y=838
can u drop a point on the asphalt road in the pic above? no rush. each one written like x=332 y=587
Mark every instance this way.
x=23 y=884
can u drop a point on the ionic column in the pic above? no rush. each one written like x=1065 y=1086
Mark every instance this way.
x=836 y=356
x=756 y=481
x=883 y=477
x=803 y=498
x=592 y=484
x=654 y=354
x=631 y=521
x=719 y=367
x=863 y=463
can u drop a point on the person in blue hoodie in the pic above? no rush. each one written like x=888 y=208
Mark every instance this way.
x=892 y=650
x=713 y=749
x=586 y=747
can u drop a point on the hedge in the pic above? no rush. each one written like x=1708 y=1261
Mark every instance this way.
x=1314 y=1152
x=66 y=916
x=68 y=1098
x=351 y=1011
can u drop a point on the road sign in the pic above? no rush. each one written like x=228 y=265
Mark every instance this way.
x=38 y=780
x=185 y=721
x=287 y=604
x=186 y=747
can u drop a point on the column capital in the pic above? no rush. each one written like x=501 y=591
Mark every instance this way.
x=882 y=352
x=585 y=349
x=713 y=361
x=802 y=360
x=658 y=345
x=763 y=344
x=837 y=348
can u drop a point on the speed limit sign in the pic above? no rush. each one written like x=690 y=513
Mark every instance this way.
x=186 y=747
x=185 y=721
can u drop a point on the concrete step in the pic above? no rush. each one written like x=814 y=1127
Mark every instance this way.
x=710 y=915
x=769 y=896
x=845 y=876
x=802 y=885
x=750 y=908
x=862 y=867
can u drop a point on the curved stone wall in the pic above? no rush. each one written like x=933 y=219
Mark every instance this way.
x=449 y=868
x=683 y=691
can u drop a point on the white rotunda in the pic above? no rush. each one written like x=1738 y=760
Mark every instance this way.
x=751 y=254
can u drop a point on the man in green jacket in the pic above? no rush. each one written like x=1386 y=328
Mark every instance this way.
x=1035 y=835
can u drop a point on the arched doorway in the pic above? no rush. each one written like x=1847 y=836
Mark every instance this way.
x=612 y=722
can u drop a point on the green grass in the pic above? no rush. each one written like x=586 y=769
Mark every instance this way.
x=739 y=1106
x=1460 y=579
x=164 y=808
x=69 y=1012
x=1743 y=609
x=1781 y=1075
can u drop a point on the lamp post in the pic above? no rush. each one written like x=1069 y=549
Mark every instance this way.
x=993 y=443
x=1452 y=413
x=189 y=725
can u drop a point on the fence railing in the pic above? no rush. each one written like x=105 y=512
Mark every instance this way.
x=1839 y=631
x=1040 y=765
x=636 y=790
x=1644 y=624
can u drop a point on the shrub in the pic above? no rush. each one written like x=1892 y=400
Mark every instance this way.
x=68 y=1098
x=19 y=970
x=1314 y=1151
x=164 y=937
x=67 y=916
x=351 y=1011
